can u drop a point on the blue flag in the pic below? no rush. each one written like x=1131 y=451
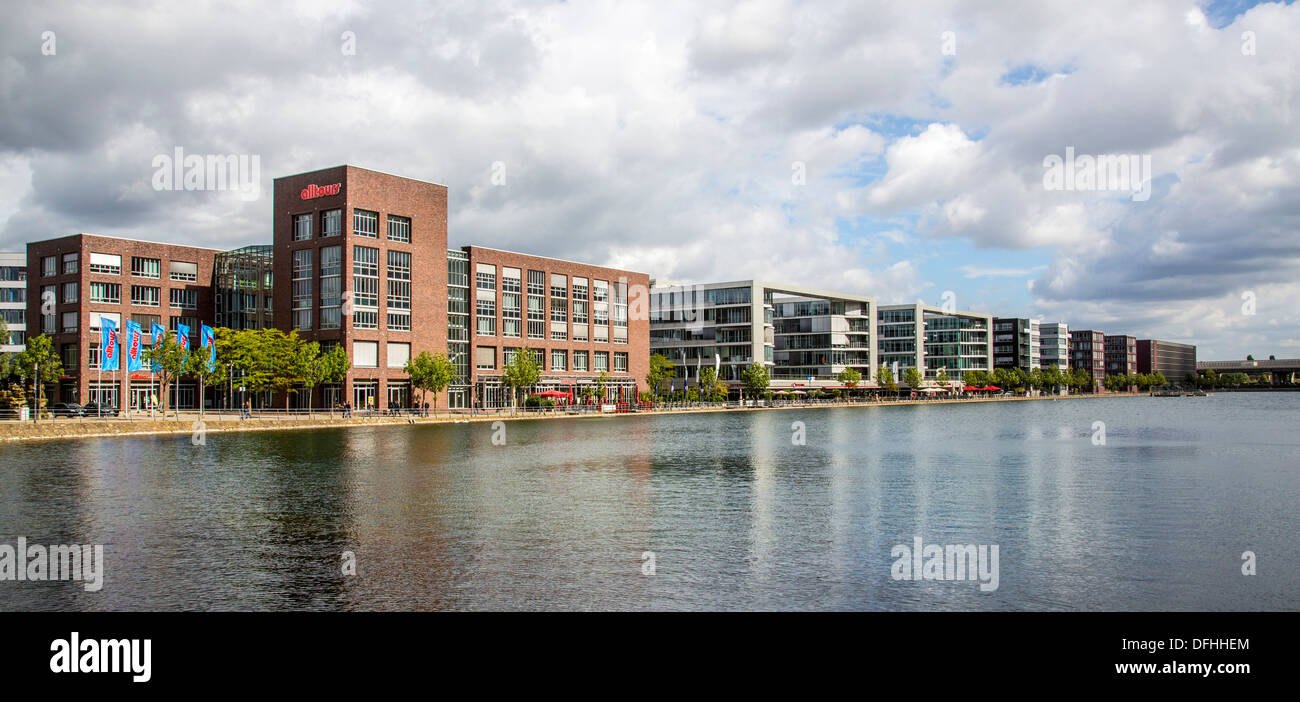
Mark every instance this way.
x=131 y=346
x=108 y=352
x=183 y=336
x=159 y=333
x=207 y=337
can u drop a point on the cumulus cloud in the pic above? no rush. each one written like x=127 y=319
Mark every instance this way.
x=669 y=138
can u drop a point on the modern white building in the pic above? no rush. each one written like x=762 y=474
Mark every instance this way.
x=13 y=301
x=1054 y=345
x=805 y=336
x=934 y=339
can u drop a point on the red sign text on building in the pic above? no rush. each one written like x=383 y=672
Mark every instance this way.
x=312 y=191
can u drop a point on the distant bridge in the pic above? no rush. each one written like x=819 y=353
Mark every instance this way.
x=1282 y=369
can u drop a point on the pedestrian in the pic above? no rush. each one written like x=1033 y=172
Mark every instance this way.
x=426 y=409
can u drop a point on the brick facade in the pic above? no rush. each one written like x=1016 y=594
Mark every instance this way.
x=79 y=377
x=637 y=346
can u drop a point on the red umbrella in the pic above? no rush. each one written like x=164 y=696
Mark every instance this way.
x=968 y=388
x=552 y=393
x=991 y=387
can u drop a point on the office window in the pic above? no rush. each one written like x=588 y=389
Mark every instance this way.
x=301 y=227
x=620 y=312
x=71 y=321
x=71 y=263
x=539 y=357
x=109 y=293
x=92 y=356
x=365 y=319
x=185 y=299
x=485 y=357
x=486 y=276
x=145 y=267
x=184 y=272
x=365 y=354
x=14 y=294
x=620 y=362
x=70 y=357
x=486 y=311
x=600 y=311
x=399 y=290
x=536 y=305
x=365 y=276
x=399 y=228
x=105 y=264
x=511 y=303
x=398 y=354
x=365 y=223
x=146 y=321
x=147 y=295
x=301 y=285
x=602 y=361
x=580 y=361
x=558 y=360
x=49 y=266
x=331 y=287
x=70 y=292
x=331 y=223
x=399 y=320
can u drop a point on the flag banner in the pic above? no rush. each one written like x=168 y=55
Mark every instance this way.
x=108 y=352
x=183 y=336
x=208 y=338
x=159 y=332
x=131 y=346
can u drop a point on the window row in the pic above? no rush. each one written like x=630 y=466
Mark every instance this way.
x=485 y=358
x=364 y=223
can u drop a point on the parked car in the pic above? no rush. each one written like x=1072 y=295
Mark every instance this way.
x=92 y=409
x=68 y=409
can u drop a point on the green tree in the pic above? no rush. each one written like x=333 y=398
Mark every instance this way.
x=602 y=381
x=171 y=361
x=198 y=367
x=942 y=377
x=1158 y=379
x=432 y=373
x=850 y=377
x=6 y=358
x=522 y=371
x=885 y=378
x=708 y=384
x=307 y=366
x=755 y=378
x=40 y=360
x=334 y=366
x=912 y=377
x=661 y=369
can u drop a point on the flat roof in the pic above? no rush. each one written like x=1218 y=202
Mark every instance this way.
x=359 y=168
x=549 y=258
x=127 y=238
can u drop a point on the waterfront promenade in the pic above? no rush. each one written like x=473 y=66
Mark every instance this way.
x=279 y=420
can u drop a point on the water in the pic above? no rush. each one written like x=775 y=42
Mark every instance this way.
x=736 y=515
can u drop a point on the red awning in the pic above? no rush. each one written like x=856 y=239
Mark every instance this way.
x=552 y=393
x=139 y=376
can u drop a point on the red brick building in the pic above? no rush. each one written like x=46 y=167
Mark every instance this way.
x=89 y=277
x=578 y=320
x=361 y=260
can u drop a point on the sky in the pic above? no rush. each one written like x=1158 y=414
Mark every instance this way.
x=900 y=150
